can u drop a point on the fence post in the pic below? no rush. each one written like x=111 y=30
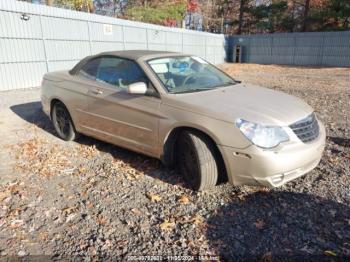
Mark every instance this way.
x=322 y=49
x=271 y=51
x=89 y=33
x=147 y=44
x=294 y=46
x=123 y=32
x=182 y=42
x=43 y=40
x=205 y=47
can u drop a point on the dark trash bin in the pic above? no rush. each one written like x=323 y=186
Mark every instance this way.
x=237 y=54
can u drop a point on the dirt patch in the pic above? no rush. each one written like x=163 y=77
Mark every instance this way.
x=327 y=79
x=89 y=198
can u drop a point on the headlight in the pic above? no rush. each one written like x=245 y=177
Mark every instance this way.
x=262 y=136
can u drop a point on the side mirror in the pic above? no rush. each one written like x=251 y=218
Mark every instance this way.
x=137 y=88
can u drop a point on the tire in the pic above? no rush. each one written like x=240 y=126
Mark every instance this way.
x=196 y=159
x=62 y=122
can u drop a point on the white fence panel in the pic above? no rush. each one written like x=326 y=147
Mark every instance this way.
x=35 y=39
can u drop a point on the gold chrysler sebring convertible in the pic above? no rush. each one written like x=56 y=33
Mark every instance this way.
x=186 y=112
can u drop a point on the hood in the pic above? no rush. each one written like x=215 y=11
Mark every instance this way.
x=253 y=103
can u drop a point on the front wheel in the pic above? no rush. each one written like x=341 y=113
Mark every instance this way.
x=196 y=158
x=62 y=122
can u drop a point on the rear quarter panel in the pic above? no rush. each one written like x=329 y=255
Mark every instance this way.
x=70 y=91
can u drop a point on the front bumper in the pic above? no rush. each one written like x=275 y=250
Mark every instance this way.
x=272 y=168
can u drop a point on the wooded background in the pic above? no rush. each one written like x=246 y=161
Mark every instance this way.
x=226 y=16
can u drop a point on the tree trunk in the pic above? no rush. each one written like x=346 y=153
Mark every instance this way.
x=240 y=17
x=346 y=23
x=293 y=17
x=306 y=15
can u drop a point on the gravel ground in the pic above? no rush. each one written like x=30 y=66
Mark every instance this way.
x=91 y=199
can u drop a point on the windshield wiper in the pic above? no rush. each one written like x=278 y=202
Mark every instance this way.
x=226 y=84
x=192 y=90
x=206 y=88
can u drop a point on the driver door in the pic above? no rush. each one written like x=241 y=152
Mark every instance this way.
x=116 y=116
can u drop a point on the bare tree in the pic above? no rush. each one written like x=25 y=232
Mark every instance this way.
x=240 y=16
x=306 y=15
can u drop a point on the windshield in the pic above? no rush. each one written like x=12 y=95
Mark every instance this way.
x=184 y=74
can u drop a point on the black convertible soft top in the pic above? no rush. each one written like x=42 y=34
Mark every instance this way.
x=128 y=54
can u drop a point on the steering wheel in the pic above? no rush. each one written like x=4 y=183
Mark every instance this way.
x=196 y=76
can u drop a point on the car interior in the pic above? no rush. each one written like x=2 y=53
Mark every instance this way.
x=177 y=75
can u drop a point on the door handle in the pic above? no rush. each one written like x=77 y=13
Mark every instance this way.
x=97 y=92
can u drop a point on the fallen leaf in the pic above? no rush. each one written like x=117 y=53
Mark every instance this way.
x=68 y=210
x=167 y=225
x=184 y=200
x=16 y=223
x=70 y=217
x=43 y=235
x=82 y=170
x=267 y=257
x=14 y=212
x=259 y=224
x=68 y=171
x=197 y=220
x=306 y=249
x=122 y=243
x=333 y=212
x=136 y=212
x=154 y=197
x=101 y=220
x=330 y=253
x=240 y=195
x=130 y=177
x=4 y=195
x=14 y=188
x=333 y=160
x=264 y=190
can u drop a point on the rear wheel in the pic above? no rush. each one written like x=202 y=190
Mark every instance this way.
x=196 y=160
x=62 y=122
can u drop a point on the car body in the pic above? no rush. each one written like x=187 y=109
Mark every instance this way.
x=104 y=97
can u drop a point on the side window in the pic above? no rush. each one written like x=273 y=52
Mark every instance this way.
x=119 y=72
x=89 y=70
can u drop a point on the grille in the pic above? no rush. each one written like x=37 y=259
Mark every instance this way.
x=306 y=129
